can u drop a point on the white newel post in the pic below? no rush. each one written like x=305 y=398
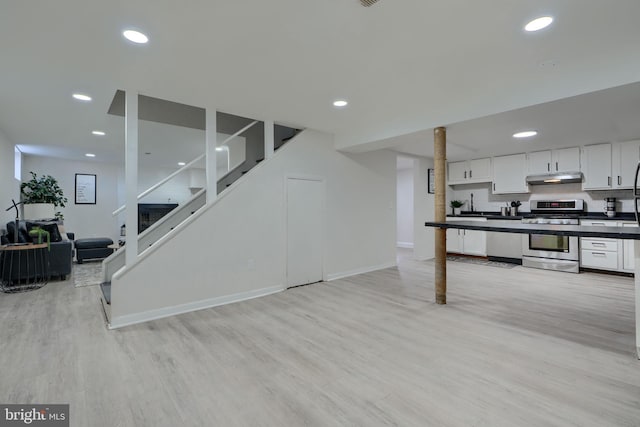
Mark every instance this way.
x=269 y=145
x=636 y=255
x=131 y=175
x=211 y=156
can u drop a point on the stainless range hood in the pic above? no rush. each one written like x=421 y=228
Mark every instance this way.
x=555 y=178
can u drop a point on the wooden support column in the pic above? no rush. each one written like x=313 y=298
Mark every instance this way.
x=440 y=155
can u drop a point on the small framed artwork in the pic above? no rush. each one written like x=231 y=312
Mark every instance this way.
x=85 y=189
x=431 y=182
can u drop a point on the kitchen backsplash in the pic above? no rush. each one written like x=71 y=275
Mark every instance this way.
x=483 y=200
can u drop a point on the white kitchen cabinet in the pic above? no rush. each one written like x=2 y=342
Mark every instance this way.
x=457 y=172
x=509 y=174
x=454 y=241
x=596 y=160
x=539 y=162
x=599 y=253
x=607 y=254
x=627 y=262
x=470 y=171
x=565 y=160
x=625 y=158
x=468 y=242
x=551 y=161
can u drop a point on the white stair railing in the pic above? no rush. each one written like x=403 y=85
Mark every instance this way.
x=183 y=168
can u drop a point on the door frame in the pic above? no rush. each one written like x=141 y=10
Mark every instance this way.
x=323 y=220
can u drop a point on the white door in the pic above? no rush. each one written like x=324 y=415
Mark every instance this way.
x=305 y=231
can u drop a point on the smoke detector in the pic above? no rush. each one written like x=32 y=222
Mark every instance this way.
x=367 y=3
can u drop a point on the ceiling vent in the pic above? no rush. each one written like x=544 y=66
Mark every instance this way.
x=367 y=3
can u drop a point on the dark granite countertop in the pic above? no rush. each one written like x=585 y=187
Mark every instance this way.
x=620 y=216
x=631 y=233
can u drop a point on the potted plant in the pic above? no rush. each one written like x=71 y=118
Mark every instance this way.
x=456 y=205
x=40 y=196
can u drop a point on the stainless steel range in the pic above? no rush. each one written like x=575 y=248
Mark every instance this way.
x=547 y=251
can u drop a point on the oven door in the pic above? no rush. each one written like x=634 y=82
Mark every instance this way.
x=551 y=246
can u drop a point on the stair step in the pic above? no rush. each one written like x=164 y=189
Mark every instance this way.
x=106 y=291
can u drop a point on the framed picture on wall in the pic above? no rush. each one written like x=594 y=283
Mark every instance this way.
x=85 y=189
x=431 y=182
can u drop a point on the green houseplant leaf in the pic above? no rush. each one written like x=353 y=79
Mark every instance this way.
x=44 y=189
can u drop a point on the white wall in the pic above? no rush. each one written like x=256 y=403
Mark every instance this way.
x=236 y=248
x=423 y=210
x=405 y=208
x=483 y=200
x=84 y=220
x=9 y=186
x=174 y=191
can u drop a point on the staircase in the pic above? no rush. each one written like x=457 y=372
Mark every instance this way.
x=165 y=225
x=148 y=237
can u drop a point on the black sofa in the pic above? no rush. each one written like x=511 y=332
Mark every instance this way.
x=61 y=253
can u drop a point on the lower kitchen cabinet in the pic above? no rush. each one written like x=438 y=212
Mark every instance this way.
x=467 y=242
x=628 y=264
x=607 y=254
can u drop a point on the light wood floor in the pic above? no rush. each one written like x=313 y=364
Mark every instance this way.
x=514 y=347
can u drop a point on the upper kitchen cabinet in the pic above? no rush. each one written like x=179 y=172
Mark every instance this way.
x=610 y=166
x=552 y=161
x=565 y=160
x=471 y=171
x=539 y=162
x=509 y=174
x=626 y=156
x=596 y=161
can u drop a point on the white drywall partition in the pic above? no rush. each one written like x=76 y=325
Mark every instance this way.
x=405 y=208
x=235 y=249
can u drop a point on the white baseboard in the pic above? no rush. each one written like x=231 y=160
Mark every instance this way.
x=342 y=275
x=408 y=245
x=145 y=316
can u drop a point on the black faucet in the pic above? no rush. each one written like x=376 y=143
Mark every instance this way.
x=471 y=202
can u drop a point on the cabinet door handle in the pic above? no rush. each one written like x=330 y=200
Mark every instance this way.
x=556 y=166
x=608 y=180
x=465 y=174
x=494 y=186
x=548 y=167
x=598 y=253
x=619 y=180
x=598 y=244
x=470 y=173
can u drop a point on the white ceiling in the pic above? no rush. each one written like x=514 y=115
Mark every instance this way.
x=404 y=65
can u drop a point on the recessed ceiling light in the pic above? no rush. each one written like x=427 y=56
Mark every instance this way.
x=81 y=97
x=135 y=36
x=539 y=23
x=340 y=103
x=90 y=155
x=98 y=132
x=525 y=134
x=219 y=149
x=181 y=163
